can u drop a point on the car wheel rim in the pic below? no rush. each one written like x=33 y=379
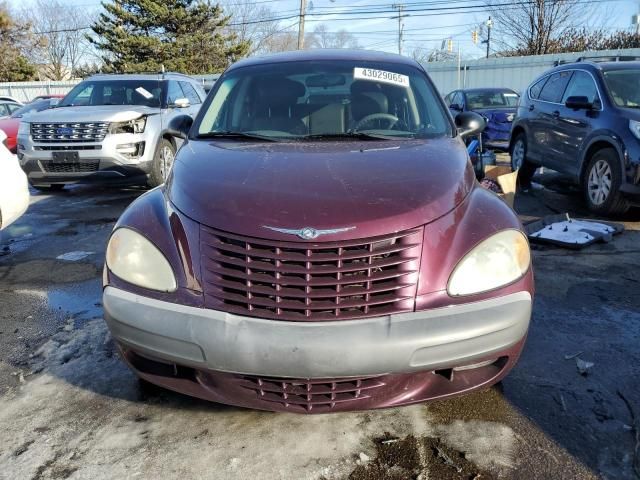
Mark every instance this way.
x=166 y=161
x=518 y=155
x=600 y=181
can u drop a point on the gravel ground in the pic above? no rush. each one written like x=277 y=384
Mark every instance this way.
x=69 y=408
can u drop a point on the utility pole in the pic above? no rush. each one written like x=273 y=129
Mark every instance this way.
x=489 y=25
x=399 y=7
x=303 y=9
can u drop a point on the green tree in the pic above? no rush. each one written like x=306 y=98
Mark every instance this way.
x=15 y=38
x=188 y=36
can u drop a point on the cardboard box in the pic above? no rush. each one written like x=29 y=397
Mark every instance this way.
x=506 y=179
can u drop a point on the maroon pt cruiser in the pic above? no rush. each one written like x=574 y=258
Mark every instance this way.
x=321 y=245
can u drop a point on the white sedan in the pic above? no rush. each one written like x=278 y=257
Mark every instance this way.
x=14 y=188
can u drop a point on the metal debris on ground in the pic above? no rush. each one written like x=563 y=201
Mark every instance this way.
x=74 y=256
x=564 y=231
x=583 y=366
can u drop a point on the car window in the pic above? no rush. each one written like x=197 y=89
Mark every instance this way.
x=322 y=99
x=448 y=98
x=536 y=88
x=491 y=99
x=114 y=92
x=553 y=90
x=581 y=85
x=174 y=92
x=623 y=87
x=190 y=93
x=13 y=107
x=3 y=110
x=458 y=99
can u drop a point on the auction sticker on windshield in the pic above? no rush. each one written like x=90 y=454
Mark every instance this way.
x=373 y=75
x=144 y=92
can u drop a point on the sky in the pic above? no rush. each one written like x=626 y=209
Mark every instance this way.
x=428 y=22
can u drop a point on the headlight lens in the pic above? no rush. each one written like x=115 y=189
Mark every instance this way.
x=136 y=260
x=635 y=128
x=132 y=126
x=497 y=261
x=23 y=128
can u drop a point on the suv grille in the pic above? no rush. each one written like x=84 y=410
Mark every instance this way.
x=81 y=167
x=68 y=132
x=308 y=394
x=310 y=281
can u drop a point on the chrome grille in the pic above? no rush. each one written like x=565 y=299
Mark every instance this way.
x=69 y=132
x=308 y=394
x=301 y=281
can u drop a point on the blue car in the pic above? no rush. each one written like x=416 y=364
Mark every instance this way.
x=496 y=105
x=583 y=120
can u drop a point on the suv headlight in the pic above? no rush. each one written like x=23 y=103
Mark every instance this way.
x=131 y=126
x=136 y=260
x=499 y=260
x=634 y=126
x=23 y=128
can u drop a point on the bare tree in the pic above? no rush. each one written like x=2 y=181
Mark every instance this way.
x=245 y=15
x=280 y=42
x=535 y=27
x=60 y=27
x=321 y=37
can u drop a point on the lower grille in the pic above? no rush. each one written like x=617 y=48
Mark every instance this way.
x=309 y=394
x=305 y=281
x=81 y=167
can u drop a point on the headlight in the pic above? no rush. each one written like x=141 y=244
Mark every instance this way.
x=634 y=126
x=23 y=128
x=132 y=126
x=497 y=261
x=136 y=260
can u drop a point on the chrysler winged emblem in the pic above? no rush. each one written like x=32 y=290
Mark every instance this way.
x=308 y=233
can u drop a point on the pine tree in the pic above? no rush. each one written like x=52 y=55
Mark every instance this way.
x=182 y=35
x=15 y=39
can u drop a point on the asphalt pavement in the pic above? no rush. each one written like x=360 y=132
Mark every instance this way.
x=69 y=408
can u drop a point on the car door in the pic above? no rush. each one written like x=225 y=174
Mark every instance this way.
x=573 y=126
x=544 y=144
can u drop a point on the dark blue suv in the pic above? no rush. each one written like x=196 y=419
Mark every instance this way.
x=583 y=119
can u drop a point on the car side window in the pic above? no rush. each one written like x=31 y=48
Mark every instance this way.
x=536 y=88
x=3 y=110
x=190 y=93
x=457 y=99
x=581 y=85
x=554 y=89
x=447 y=99
x=13 y=107
x=174 y=92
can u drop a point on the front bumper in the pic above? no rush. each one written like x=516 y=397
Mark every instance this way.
x=394 y=344
x=103 y=161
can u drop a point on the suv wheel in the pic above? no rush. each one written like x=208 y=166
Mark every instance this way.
x=519 y=162
x=162 y=162
x=601 y=184
x=55 y=187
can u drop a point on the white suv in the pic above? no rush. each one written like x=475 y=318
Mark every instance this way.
x=109 y=128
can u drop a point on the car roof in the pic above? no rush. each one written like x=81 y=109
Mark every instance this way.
x=489 y=89
x=140 y=76
x=326 y=54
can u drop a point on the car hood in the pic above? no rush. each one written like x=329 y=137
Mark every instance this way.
x=377 y=187
x=107 y=113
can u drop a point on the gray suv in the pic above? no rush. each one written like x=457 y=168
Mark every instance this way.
x=109 y=128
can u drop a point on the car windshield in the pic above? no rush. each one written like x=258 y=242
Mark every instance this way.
x=623 y=87
x=114 y=92
x=36 y=106
x=312 y=100
x=491 y=99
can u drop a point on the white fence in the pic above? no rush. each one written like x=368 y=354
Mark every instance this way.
x=511 y=72
x=26 y=91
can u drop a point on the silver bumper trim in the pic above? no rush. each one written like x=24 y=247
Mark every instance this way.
x=401 y=343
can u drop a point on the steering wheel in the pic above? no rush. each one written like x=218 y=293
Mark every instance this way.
x=392 y=119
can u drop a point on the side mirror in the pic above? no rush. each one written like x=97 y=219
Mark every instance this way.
x=578 y=103
x=470 y=123
x=456 y=107
x=179 y=126
x=181 y=103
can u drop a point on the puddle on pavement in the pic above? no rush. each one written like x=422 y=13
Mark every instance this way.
x=48 y=272
x=82 y=301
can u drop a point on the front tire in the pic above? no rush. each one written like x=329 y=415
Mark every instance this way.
x=518 y=152
x=601 y=184
x=162 y=162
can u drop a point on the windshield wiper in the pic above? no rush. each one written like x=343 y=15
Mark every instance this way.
x=350 y=134
x=231 y=134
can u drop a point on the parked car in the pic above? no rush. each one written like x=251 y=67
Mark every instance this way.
x=583 y=119
x=8 y=98
x=321 y=245
x=11 y=124
x=108 y=128
x=14 y=189
x=7 y=107
x=496 y=105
